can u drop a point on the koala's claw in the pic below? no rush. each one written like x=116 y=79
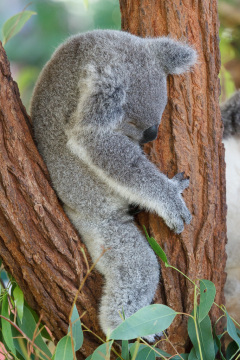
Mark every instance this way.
x=179 y=176
x=184 y=184
x=181 y=182
x=185 y=213
x=188 y=218
x=179 y=229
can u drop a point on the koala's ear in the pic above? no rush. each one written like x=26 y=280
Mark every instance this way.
x=102 y=95
x=174 y=57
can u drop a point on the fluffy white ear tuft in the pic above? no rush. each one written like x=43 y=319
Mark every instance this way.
x=175 y=57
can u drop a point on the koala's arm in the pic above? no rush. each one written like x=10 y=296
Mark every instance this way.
x=124 y=167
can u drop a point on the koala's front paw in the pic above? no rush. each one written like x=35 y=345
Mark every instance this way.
x=177 y=212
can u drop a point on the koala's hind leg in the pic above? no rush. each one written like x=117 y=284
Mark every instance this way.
x=129 y=265
x=131 y=272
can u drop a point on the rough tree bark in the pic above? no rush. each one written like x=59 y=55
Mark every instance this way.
x=190 y=140
x=38 y=244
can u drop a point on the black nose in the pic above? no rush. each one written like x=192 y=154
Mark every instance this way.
x=149 y=134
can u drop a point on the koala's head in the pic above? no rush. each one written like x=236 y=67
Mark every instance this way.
x=129 y=81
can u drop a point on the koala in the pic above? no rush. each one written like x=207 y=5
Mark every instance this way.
x=99 y=98
x=230 y=111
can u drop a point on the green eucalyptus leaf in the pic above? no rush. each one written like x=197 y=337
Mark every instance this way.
x=149 y=320
x=231 y=329
x=218 y=345
x=193 y=337
x=20 y=344
x=207 y=296
x=192 y=355
x=64 y=349
x=146 y=354
x=156 y=247
x=180 y=357
x=44 y=332
x=20 y=357
x=28 y=326
x=205 y=342
x=76 y=329
x=132 y=347
x=206 y=338
x=232 y=350
x=19 y=301
x=90 y=357
x=13 y=25
x=163 y=353
x=6 y=327
x=103 y=351
x=125 y=351
x=238 y=330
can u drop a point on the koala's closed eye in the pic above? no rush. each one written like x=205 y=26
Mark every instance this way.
x=133 y=124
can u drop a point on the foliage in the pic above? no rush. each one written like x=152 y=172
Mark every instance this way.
x=24 y=337
x=13 y=25
x=229 y=34
x=227 y=54
x=55 y=21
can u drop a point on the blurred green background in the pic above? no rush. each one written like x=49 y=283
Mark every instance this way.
x=29 y=50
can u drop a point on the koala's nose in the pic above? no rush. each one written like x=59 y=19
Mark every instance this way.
x=149 y=134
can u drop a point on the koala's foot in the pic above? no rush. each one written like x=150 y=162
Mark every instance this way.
x=152 y=338
x=131 y=274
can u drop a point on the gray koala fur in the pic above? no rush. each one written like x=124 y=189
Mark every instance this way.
x=230 y=111
x=92 y=107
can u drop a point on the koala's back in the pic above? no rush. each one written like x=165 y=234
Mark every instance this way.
x=57 y=91
x=55 y=100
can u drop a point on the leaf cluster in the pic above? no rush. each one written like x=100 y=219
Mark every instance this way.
x=24 y=337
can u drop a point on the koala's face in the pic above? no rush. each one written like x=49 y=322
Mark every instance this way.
x=124 y=83
x=145 y=102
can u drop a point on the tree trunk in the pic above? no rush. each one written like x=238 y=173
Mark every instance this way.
x=38 y=244
x=190 y=140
